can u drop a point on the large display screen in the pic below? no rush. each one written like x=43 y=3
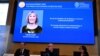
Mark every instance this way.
x=68 y=22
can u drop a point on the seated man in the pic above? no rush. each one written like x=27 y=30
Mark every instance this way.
x=51 y=51
x=22 y=51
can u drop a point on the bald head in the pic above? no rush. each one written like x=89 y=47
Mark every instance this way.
x=22 y=45
x=50 y=45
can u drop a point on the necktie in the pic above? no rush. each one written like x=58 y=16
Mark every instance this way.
x=22 y=50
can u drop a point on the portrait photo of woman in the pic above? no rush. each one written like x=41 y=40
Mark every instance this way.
x=32 y=24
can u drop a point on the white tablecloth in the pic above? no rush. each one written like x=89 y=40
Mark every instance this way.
x=13 y=55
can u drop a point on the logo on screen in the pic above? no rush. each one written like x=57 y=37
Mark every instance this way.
x=21 y=4
x=76 y=4
x=81 y=5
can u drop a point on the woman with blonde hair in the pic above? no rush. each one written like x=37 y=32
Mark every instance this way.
x=32 y=25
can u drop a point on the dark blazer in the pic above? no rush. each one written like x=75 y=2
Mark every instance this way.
x=19 y=52
x=77 y=53
x=37 y=30
x=85 y=54
x=54 y=53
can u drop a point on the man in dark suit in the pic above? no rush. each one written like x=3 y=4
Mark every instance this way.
x=22 y=51
x=51 y=51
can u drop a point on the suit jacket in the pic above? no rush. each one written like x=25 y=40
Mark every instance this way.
x=24 y=52
x=54 y=53
x=77 y=53
x=85 y=54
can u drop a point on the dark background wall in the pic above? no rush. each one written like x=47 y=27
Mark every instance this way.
x=98 y=17
x=65 y=49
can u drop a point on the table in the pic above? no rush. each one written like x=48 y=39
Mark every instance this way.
x=13 y=55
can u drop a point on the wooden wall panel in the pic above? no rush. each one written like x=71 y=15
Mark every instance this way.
x=98 y=12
